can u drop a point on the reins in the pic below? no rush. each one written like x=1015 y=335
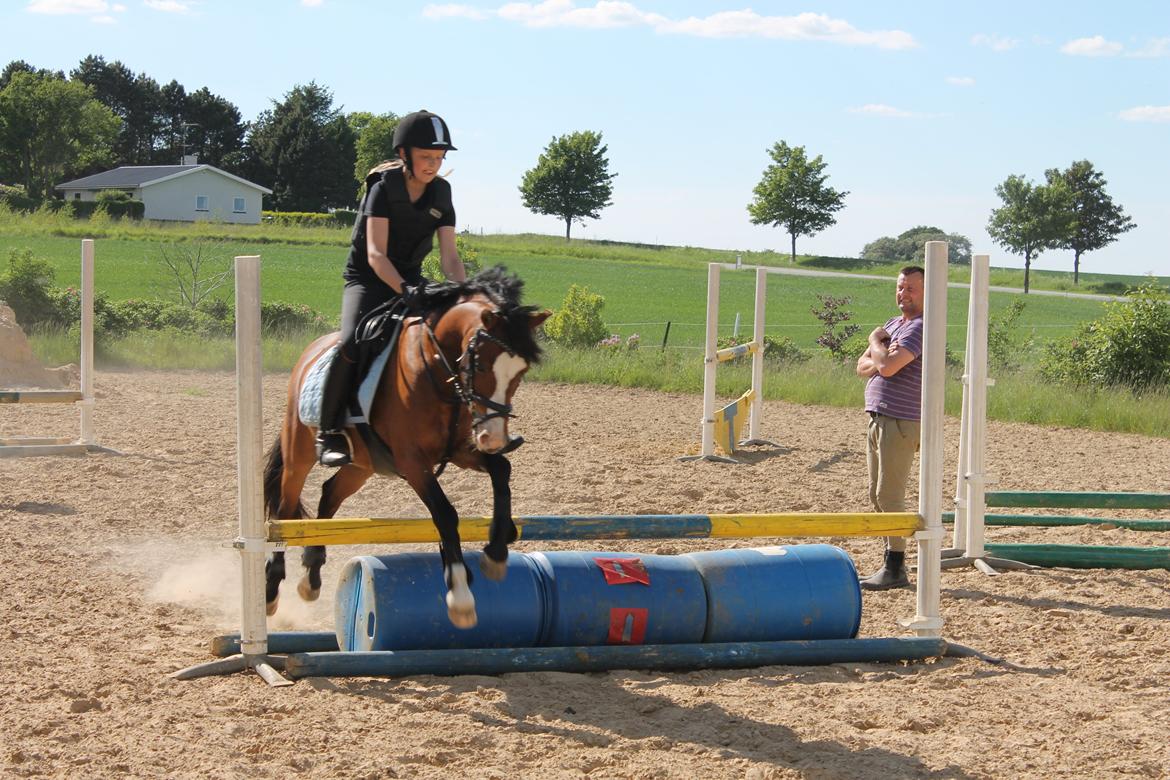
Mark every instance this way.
x=463 y=384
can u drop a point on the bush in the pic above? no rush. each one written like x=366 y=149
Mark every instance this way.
x=1129 y=346
x=279 y=318
x=26 y=287
x=778 y=349
x=433 y=270
x=1004 y=347
x=308 y=218
x=16 y=199
x=578 y=322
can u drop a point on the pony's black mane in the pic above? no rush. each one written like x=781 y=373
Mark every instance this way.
x=504 y=290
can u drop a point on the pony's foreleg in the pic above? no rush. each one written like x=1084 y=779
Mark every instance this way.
x=460 y=602
x=494 y=562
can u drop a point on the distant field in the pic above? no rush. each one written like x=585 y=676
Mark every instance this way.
x=644 y=287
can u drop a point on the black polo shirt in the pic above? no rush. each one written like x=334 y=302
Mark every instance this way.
x=412 y=225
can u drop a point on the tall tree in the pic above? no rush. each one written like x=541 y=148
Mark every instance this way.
x=168 y=148
x=139 y=103
x=1097 y=220
x=20 y=66
x=792 y=194
x=375 y=140
x=303 y=149
x=49 y=125
x=571 y=179
x=213 y=130
x=1032 y=218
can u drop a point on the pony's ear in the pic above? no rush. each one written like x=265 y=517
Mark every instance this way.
x=536 y=320
x=489 y=318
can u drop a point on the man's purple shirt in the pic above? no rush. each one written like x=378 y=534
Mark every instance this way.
x=899 y=395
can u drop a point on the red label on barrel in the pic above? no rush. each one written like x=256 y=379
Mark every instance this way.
x=623 y=571
x=627 y=625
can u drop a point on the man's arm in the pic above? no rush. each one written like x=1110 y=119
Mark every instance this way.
x=865 y=366
x=887 y=358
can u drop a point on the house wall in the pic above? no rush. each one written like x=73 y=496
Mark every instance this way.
x=175 y=199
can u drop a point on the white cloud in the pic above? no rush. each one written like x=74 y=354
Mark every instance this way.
x=1146 y=114
x=881 y=109
x=609 y=14
x=961 y=81
x=994 y=42
x=62 y=7
x=1096 y=46
x=167 y=6
x=118 y=8
x=104 y=20
x=1156 y=47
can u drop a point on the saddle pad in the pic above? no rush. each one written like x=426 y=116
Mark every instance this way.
x=309 y=408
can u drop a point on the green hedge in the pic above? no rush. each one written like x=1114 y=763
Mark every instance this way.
x=339 y=218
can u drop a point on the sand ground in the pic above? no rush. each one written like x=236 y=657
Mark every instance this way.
x=118 y=574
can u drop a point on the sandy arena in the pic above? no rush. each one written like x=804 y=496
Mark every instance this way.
x=118 y=574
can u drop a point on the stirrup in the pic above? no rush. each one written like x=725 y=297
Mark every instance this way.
x=333 y=448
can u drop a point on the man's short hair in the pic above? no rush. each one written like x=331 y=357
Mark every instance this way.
x=912 y=269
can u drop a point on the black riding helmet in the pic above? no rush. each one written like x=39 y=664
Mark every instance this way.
x=422 y=130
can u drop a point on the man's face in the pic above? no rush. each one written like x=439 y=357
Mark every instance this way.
x=910 y=294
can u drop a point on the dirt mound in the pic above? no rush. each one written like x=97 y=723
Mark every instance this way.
x=18 y=367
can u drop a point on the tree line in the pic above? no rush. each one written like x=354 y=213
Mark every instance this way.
x=1071 y=210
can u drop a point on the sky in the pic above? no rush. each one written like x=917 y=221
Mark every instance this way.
x=919 y=109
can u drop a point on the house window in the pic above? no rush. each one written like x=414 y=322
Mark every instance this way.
x=201 y=203
x=77 y=196
x=238 y=206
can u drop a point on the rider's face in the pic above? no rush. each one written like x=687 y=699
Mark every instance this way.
x=426 y=163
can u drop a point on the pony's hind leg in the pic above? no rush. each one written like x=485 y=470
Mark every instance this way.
x=273 y=576
x=347 y=481
x=494 y=563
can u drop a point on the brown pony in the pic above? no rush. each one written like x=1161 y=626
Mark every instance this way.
x=445 y=397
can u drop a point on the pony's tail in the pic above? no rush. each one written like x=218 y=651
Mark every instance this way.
x=273 y=469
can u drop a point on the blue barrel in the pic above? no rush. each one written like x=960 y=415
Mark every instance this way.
x=602 y=598
x=805 y=591
x=398 y=602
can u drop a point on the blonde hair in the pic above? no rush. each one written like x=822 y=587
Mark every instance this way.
x=386 y=165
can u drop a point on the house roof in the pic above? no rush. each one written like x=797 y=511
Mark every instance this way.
x=131 y=176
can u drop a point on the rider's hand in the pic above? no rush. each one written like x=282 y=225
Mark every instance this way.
x=414 y=296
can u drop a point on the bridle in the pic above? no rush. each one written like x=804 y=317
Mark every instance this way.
x=462 y=380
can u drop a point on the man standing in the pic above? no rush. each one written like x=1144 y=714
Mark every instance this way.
x=892 y=364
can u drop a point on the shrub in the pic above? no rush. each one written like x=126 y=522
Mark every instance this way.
x=1129 y=345
x=1003 y=345
x=26 y=287
x=433 y=270
x=307 y=218
x=578 y=322
x=15 y=198
x=831 y=314
x=779 y=349
x=278 y=318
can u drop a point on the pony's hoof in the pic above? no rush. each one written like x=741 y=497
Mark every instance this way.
x=462 y=618
x=307 y=591
x=493 y=570
x=270 y=608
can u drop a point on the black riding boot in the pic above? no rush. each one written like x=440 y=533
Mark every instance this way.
x=892 y=574
x=332 y=443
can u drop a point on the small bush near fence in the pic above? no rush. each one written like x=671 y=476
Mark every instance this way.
x=780 y=349
x=578 y=322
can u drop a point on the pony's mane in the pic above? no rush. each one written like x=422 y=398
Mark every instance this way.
x=504 y=290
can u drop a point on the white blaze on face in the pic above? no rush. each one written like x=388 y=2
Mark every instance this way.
x=493 y=434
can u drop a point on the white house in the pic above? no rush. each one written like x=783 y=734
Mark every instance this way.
x=186 y=193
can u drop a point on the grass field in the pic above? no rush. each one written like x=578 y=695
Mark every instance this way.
x=644 y=288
